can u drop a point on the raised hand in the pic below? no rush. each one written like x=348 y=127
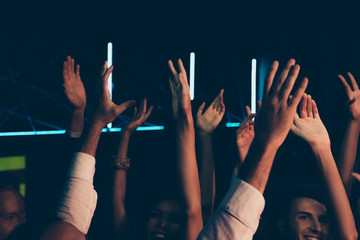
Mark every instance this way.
x=208 y=121
x=139 y=117
x=73 y=87
x=107 y=110
x=245 y=134
x=309 y=125
x=272 y=123
x=353 y=94
x=179 y=86
x=274 y=120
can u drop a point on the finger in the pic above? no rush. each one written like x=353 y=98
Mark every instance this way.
x=135 y=111
x=309 y=107
x=270 y=78
x=106 y=77
x=346 y=85
x=77 y=71
x=356 y=176
x=64 y=71
x=172 y=68
x=315 y=109
x=298 y=93
x=142 y=109
x=303 y=106
x=250 y=118
x=290 y=81
x=221 y=102
x=200 y=110
x=72 y=66
x=216 y=101
x=284 y=74
x=293 y=128
x=353 y=81
x=172 y=87
x=296 y=117
x=251 y=127
x=221 y=108
x=248 y=110
x=243 y=125
x=258 y=105
x=104 y=68
x=181 y=66
x=183 y=82
x=149 y=112
x=122 y=107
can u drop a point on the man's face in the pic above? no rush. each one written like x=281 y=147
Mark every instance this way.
x=308 y=220
x=11 y=212
x=165 y=221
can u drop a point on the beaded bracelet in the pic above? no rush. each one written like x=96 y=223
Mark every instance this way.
x=120 y=163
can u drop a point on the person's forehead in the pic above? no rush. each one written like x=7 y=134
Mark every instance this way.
x=304 y=204
x=10 y=201
x=168 y=206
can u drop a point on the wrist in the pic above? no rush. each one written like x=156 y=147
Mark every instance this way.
x=355 y=124
x=203 y=134
x=125 y=133
x=321 y=148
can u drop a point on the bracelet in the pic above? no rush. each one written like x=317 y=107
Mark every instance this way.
x=120 y=163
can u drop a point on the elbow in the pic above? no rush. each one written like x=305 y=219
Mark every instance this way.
x=351 y=236
x=193 y=211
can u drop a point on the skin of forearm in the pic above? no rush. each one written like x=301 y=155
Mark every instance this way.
x=186 y=163
x=77 y=120
x=119 y=188
x=207 y=175
x=348 y=153
x=343 y=214
x=257 y=165
x=91 y=138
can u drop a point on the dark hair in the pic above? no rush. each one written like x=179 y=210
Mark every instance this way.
x=280 y=200
x=8 y=182
x=28 y=231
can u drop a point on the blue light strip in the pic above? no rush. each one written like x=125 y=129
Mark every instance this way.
x=59 y=132
x=31 y=133
x=234 y=124
x=109 y=64
x=192 y=76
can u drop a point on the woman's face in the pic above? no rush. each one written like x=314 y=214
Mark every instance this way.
x=165 y=221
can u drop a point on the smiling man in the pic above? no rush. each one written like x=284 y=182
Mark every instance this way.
x=308 y=219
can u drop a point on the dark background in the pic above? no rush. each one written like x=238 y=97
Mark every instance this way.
x=36 y=38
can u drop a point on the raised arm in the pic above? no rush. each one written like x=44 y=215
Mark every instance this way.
x=185 y=143
x=348 y=148
x=310 y=127
x=121 y=164
x=237 y=217
x=75 y=93
x=78 y=201
x=244 y=137
x=206 y=123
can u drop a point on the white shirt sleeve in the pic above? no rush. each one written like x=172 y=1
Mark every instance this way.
x=238 y=215
x=78 y=200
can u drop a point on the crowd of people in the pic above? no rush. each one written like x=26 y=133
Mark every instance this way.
x=304 y=214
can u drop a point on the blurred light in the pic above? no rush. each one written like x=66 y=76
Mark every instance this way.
x=109 y=64
x=31 y=133
x=253 y=86
x=192 y=76
x=233 y=124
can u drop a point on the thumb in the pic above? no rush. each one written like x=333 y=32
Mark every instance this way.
x=356 y=176
x=200 y=110
x=122 y=107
